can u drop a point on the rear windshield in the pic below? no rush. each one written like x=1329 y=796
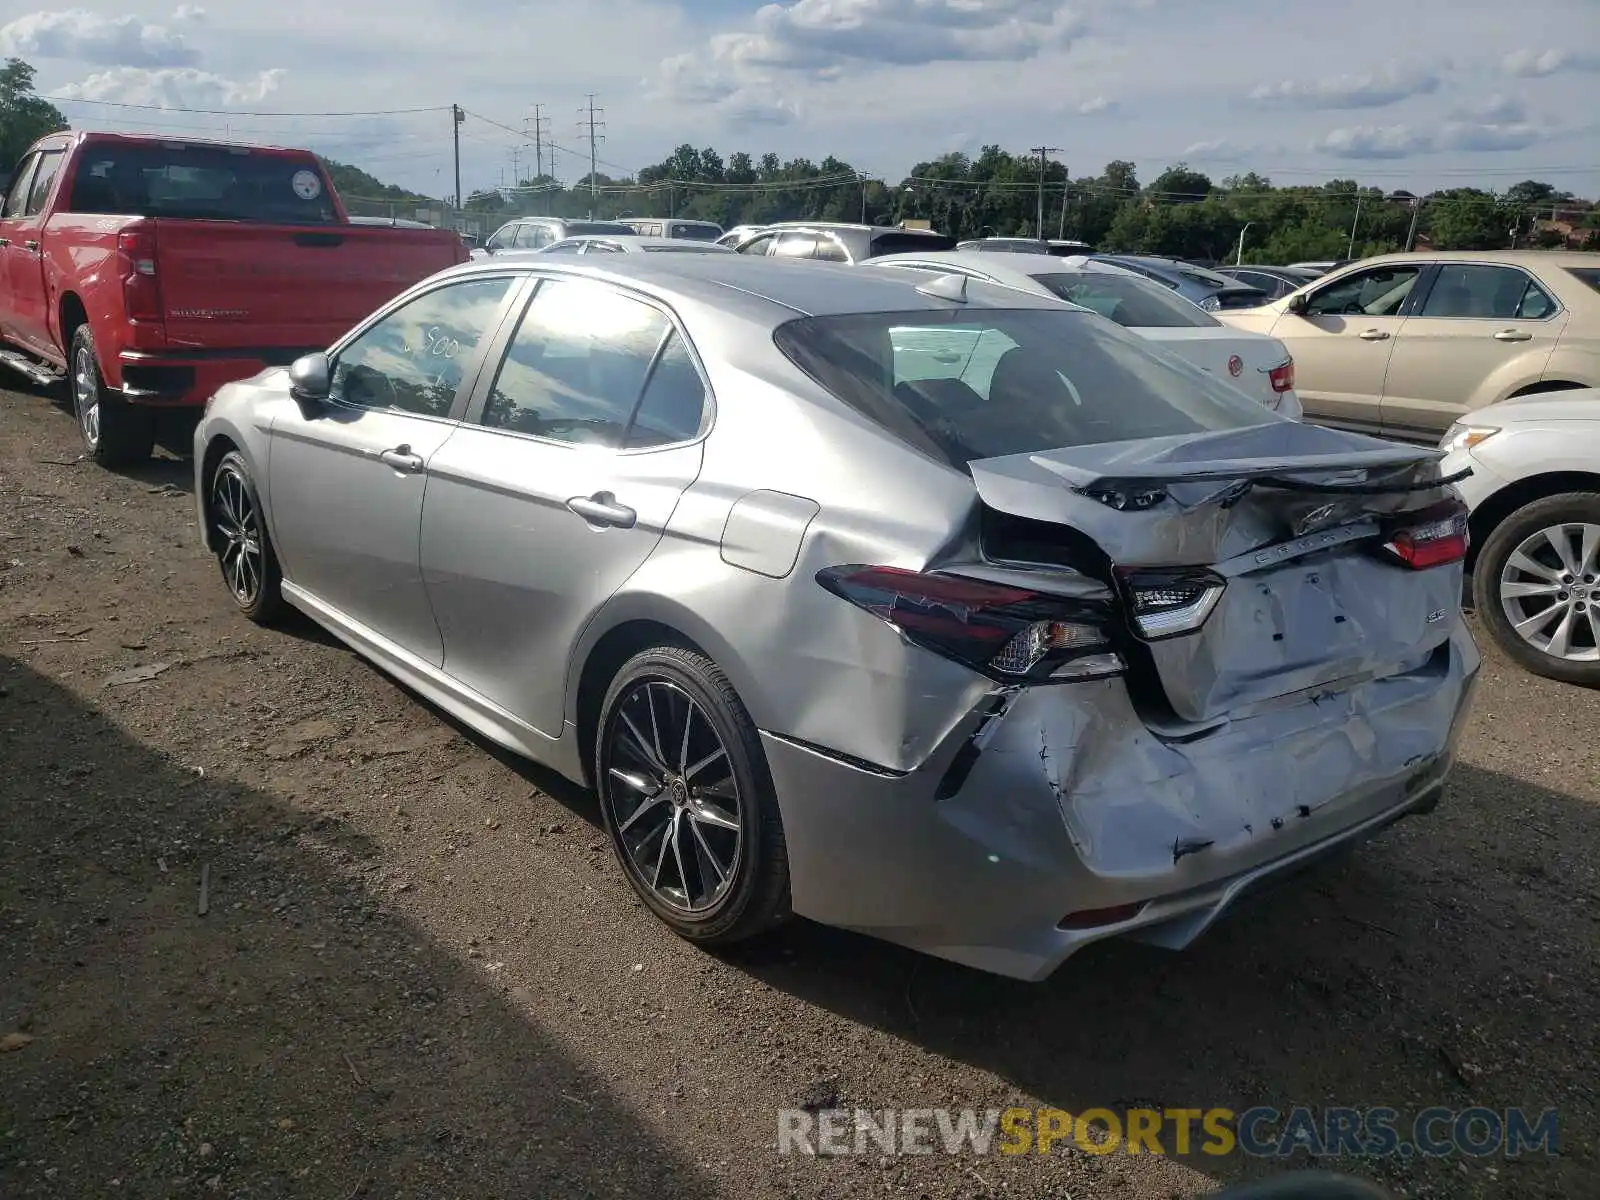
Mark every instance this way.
x=1589 y=275
x=1130 y=302
x=696 y=231
x=899 y=243
x=611 y=227
x=980 y=383
x=205 y=183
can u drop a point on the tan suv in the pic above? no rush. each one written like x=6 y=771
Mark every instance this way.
x=1406 y=343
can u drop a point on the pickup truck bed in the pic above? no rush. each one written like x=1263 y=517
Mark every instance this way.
x=151 y=272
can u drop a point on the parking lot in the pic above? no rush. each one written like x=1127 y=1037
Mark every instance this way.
x=419 y=972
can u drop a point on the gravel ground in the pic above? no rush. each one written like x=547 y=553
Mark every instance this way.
x=420 y=974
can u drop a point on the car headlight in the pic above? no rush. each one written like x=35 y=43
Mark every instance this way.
x=1465 y=437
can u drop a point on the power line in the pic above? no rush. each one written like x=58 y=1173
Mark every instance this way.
x=235 y=112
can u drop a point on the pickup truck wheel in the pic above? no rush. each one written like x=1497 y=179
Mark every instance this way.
x=239 y=534
x=114 y=432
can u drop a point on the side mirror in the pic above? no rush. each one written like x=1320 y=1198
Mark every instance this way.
x=1299 y=303
x=311 y=377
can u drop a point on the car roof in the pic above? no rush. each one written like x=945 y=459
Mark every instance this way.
x=1520 y=258
x=754 y=284
x=1030 y=266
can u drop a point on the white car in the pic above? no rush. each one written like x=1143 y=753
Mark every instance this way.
x=1535 y=498
x=1257 y=364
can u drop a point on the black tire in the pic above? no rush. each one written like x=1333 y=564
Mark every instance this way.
x=239 y=536
x=755 y=897
x=1525 y=522
x=114 y=432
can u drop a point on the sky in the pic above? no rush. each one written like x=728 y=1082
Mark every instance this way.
x=1416 y=95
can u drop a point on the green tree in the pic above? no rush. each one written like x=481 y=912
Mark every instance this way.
x=24 y=116
x=1468 y=219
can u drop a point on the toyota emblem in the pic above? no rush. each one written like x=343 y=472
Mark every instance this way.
x=1236 y=366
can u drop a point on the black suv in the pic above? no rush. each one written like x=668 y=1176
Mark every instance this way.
x=829 y=241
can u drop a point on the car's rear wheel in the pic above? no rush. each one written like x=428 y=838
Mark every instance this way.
x=1536 y=586
x=114 y=432
x=239 y=536
x=688 y=800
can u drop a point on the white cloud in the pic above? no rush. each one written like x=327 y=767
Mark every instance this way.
x=1373 y=89
x=190 y=14
x=1495 y=110
x=1096 y=106
x=816 y=39
x=1531 y=64
x=174 y=87
x=1374 y=141
x=1405 y=141
x=92 y=38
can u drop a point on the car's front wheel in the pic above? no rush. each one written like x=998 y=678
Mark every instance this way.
x=688 y=800
x=1536 y=586
x=239 y=537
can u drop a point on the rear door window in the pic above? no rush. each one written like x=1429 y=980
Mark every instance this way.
x=199 y=182
x=1486 y=291
x=43 y=176
x=796 y=245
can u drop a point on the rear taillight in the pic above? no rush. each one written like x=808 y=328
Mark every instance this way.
x=1008 y=633
x=136 y=256
x=1282 y=377
x=1430 y=537
x=1168 y=602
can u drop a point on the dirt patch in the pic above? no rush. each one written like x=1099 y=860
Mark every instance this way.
x=419 y=972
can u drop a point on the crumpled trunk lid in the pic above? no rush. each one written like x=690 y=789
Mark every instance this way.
x=1308 y=599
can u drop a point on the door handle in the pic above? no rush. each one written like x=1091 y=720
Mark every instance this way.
x=5 y=241
x=31 y=245
x=401 y=459
x=1513 y=335
x=602 y=509
x=1374 y=335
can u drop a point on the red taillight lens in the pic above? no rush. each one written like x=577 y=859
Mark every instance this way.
x=1005 y=632
x=1282 y=378
x=1430 y=537
x=141 y=292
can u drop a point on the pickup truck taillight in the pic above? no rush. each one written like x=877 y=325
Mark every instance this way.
x=141 y=291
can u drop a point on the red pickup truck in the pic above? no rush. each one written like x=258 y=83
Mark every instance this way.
x=148 y=272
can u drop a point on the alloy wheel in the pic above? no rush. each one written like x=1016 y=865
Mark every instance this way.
x=671 y=795
x=1550 y=591
x=86 y=394
x=238 y=524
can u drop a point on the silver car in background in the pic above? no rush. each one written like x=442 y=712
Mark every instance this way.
x=1258 y=365
x=917 y=606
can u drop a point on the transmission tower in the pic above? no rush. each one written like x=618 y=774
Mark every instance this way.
x=592 y=120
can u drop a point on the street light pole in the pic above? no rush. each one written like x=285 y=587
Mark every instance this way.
x=1238 y=256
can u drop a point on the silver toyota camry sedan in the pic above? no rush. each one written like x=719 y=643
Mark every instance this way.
x=927 y=608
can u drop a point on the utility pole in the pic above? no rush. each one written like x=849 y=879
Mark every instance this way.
x=1066 y=196
x=1042 y=151
x=1416 y=212
x=457 y=117
x=1350 y=251
x=594 y=123
x=539 y=123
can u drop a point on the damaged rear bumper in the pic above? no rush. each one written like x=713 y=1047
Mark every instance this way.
x=1053 y=801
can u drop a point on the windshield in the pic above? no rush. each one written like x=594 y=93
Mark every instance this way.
x=1127 y=301
x=199 y=182
x=981 y=383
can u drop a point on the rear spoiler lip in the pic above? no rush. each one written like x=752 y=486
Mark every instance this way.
x=1240 y=469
